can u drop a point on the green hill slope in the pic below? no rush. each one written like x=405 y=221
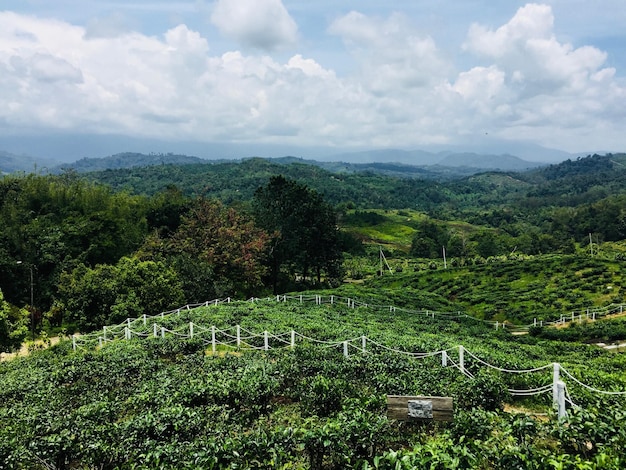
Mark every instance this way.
x=170 y=402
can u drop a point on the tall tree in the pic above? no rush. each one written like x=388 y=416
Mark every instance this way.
x=217 y=247
x=303 y=227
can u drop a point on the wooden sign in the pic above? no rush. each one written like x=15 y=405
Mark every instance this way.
x=405 y=408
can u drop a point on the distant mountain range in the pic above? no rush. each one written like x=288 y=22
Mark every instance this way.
x=11 y=163
x=442 y=159
x=414 y=163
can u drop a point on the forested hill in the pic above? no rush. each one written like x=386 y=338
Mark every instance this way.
x=237 y=181
x=128 y=160
x=570 y=183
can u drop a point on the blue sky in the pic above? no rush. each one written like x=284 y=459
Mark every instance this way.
x=370 y=74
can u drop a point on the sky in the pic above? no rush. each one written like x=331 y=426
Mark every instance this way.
x=406 y=74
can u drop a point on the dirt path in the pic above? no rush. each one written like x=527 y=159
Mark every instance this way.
x=24 y=349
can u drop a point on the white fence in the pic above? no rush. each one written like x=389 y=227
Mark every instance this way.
x=239 y=338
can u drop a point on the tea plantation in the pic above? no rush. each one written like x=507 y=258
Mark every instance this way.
x=175 y=396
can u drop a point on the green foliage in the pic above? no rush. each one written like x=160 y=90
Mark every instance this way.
x=514 y=288
x=108 y=294
x=169 y=403
x=214 y=247
x=305 y=242
x=53 y=223
x=486 y=391
x=13 y=326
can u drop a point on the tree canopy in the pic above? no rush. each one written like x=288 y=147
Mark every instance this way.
x=305 y=240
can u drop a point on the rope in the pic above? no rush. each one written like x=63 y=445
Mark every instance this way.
x=531 y=392
x=463 y=371
x=568 y=398
x=315 y=340
x=398 y=351
x=588 y=387
x=512 y=371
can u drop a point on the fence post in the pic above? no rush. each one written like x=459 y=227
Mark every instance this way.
x=560 y=386
x=363 y=341
x=162 y=332
x=535 y=322
x=178 y=312
x=191 y=329
x=104 y=332
x=444 y=359
x=154 y=330
x=144 y=319
x=74 y=342
x=127 y=332
x=345 y=348
x=348 y=302
x=100 y=341
x=462 y=359
x=213 y=339
x=300 y=298
x=332 y=299
x=238 y=329
x=293 y=339
x=266 y=345
x=556 y=372
x=497 y=324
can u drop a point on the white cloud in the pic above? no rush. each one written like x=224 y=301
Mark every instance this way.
x=107 y=26
x=390 y=53
x=261 y=24
x=404 y=92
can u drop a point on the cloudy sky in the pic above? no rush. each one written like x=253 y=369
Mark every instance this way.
x=342 y=73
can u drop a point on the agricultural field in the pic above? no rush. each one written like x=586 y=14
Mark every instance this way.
x=179 y=393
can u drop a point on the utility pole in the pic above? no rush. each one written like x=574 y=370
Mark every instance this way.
x=383 y=259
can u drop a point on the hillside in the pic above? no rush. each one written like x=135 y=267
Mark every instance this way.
x=127 y=160
x=487 y=162
x=11 y=163
x=569 y=183
x=175 y=402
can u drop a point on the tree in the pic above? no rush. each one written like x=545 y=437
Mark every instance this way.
x=13 y=326
x=429 y=239
x=486 y=244
x=94 y=297
x=303 y=229
x=217 y=248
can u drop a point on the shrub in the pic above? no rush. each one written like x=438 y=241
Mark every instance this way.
x=486 y=390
